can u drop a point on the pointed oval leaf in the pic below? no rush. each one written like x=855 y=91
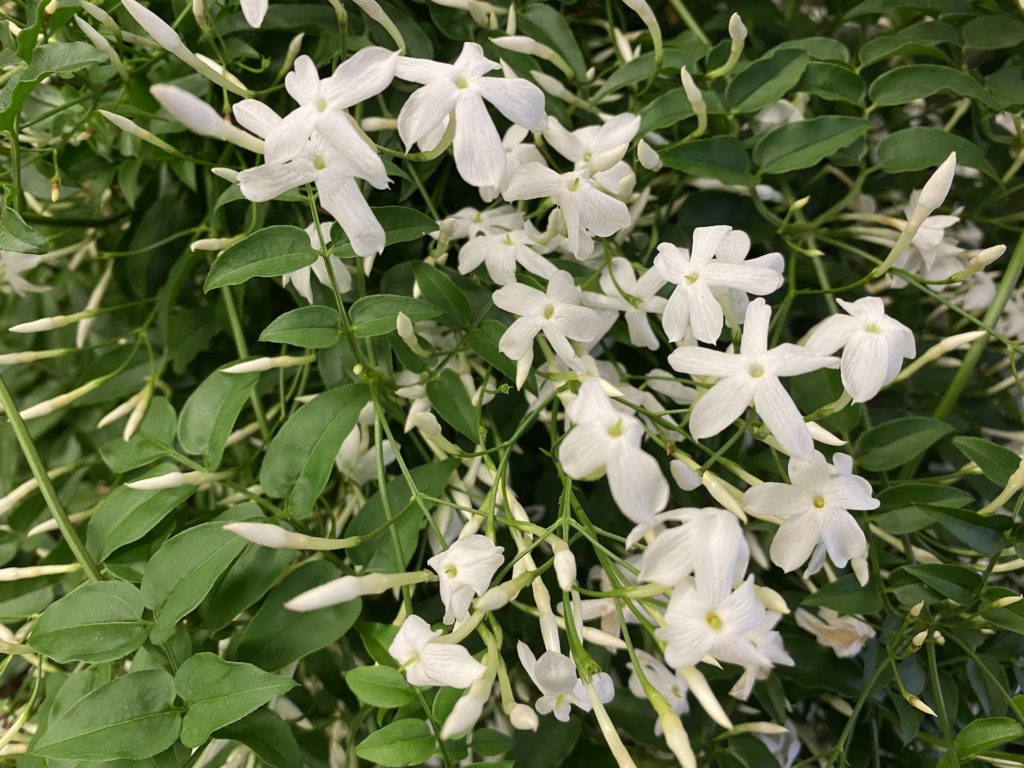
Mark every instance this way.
x=402 y=742
x=379 y=686
x=903 y=85
x=804 y=144
x=268 y=252
x=210 y=412
x=312 y=327
x=766 y=80
x=896 y=442
x=376 y=315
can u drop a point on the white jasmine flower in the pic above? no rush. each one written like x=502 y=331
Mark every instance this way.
x=301 y=279
x=708 y=618
x=605 y=438
x=501 y=252
x=845 y=635
x=12 y=265
x=766 y=641
x=465 y=570
x=752 y=376
x=693 y=303
x=254 y=12
x=467 y=223
x=555 y=675
x=586 y=208
x=594 y=147
x=516 y=153
x=635 y=297
x=672 y=556
x=323 y=104
x=873 y=345
x=427 y=662
x=733 y=250
x=357 y=457
x=556 y=313
x=320 y=163
x=460 y=90
x=815 y=508
x=669 y=684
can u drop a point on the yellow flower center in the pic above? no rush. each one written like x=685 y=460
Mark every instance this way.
x=756 y=371
x=321 y=105
x=549 y=311
x=818 y=501
x=461 y=83
x=615 y=430
x=713 y=620
x=319 y=163
x=451 y=571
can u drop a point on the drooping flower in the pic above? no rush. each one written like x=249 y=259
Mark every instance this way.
x=556 y=677
x=814 y=507
x=845 y=635
x=357 y=457
x=672 y=556
x=696 y=274
x=458 y=91
x=767 y=642
x=605 y=438
x=556 y=313
x=501 y=252
x=427 y=662
x=586 y=207
x=465 y=570
x=752 y=376
x=323 y=104
x=636 y=298
x=873 y=345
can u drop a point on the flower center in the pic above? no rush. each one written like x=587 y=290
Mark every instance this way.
x=818 y=501
x=713 y=620
x=692 y=278
x=549 y=311
x=755 y=370
x=508 y=240
x=615 y=430
x=586 y=157
x=451 y=571
x=871 y=328
x=319 y=163
x=321 y=104
x=461 y=83
x=574 y=184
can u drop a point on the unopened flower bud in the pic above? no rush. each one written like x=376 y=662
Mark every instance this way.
x=860 y=570
x=55 y=404
x=260 y=364
x=565 y=564
x=212 y=244
x=648 y=156
x=918 y=640
x=174 y=480
x=1009 y=600
x=685 y=476
x=133 y=129
x=228 y=174
x=531 y=47
x=36 y=571
x=693 y=94
x=501 y=595
x=523 y=718
x=935 y=190
x=374 y=124
x=276 y=537
x=200 y=118
x=916 y=703
x=677 y=738
x=983 y=258
x=938 y=637
x=99 y=15
x=348 y=588
x=771 y=599
x=107 y=49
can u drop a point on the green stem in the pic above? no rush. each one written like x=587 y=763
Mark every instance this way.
x=940 y=706
x=243 y=352
x=28 y=448
x=689 y=21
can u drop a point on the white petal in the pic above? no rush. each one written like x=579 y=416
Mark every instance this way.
x=721 y=406
x=706 y=317
x=563 y=141
x=288 y=139
x=780 y=414
x=425 y=110
x=450 y=665
x=865 y=365
x=530 y=181
x=303 y=82
x=519 y=299
x=254 y=12
x=519 y=100
x=256 y=116
x=341 y=197
x=422 y=70
x=795 y=541
x=676 y=317
x=831 y=334
x=743 y=277
x=793 y=360
x=517 y=341
x=638 y=486
x=755 y=329
x=700 y=361
x=362 y=76
x=479 y=155
x=601 y=214
x=265 y=182
x=843 y=538
x=350 y=144
x=706 y=240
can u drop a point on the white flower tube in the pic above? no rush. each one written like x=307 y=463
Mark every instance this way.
x=98 y=292
x=55 y=404
x=643 y=10
x=347 y=588
x=104 y=45
x=134 y=129
x=260 y=364
x=276 y=537
x=175 y=480
x=199 y=117
x=530 y=47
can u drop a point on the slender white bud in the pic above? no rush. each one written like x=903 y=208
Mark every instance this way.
x=212 y=244
x=737 y=30
x=935 y=190
x=348 y=588
x=260 y=364
x=738 y=35
x=565 y=564
x=724 y=493
x=702 y=692
x=155 y=27
x=55 y=404
x=677 y=738
x=276 y=537
x=427 y=425
x=374 y=124
x=468 y=708
x=31 y=356
x=292 y=52
x=174 y=480
x=407 y=333
x=554 y=87
x=983 y=258
x=26 y=489
x=99 y=14
x=138 y=414
x=102 y=44
x=529 y=46
x=510 y=20
x=918 y=640
x=608 y=730
x=117 y=412
x=693 y=94
x=501 y=595
x=44 y=324
x=523 y=718
x=685 y=476
x=95 y=298
x=771 y=599
x=199 y=117
x=916 y=703
x=133 y=129
x=36 y=571
x=860 y=570
x=228 y=174
x=648 y=156
x=1004 y=602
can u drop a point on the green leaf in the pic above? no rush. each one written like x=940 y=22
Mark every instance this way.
x=267 y=735
x=887 y=7
x=990 y=33
x=126 y=515
x=995 y=462
x=402 y=742
x=47 y=59
x=548 y=25
x=129 y=718
x=982 y=735
x=484 y=341
x=401 y=225
x=899 y=441
x=642 y=67
x=95 y=623
x=157 y=427
x=312 y=327
x=720 y=157
x=667 y=110
x=267 y=252
x=16 y=235
x=210 y=412
x=448 y=396
x=1010 y=617
x=378 y=553
x=766 y=80
x=821 y=48
x=184 y=570
x=921 y=39
x=982 y=534
x=834 y=82
x=950 y=581
x=804 y=144
x=921 y=147
x=300 y=458
x=248 y=579
x=439 y=289
x=220 y=692
x=846 y=595
x=376 y=315
x=903 y=85
x=489 y=743
x=379 y=686
x=276 y=636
